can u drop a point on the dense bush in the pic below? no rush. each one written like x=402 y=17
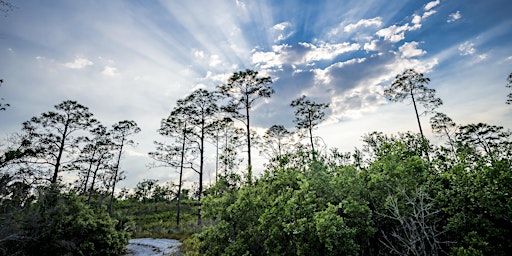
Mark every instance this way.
x=405 y=198
x=62 y=224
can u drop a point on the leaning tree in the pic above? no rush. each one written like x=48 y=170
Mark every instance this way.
x=121 y=132
x=243 y=89
x=411 y=85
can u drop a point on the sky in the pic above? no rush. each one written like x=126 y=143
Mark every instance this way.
x=131 y=60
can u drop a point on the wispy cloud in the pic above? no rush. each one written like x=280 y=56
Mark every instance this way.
x=377 y=21
x=410 y=49
x=282 y=31
x=454 y=16
x=394 y=33
x=326 y=51
x=110 y=71
x=78 y=63
x=467 y=48
x=431 y=5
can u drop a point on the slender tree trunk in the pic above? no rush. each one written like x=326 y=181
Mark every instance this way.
x=89 y=171
x=311 y=136
x=91 y=189
x=248 y=128
x=279 y=148
x=417 y=115
x=450 y=141
x=201 y=170
x=181 y=177
x=217 y=156
x=311 y=139
x=59 y=156
x=116 y=172
x=419 y=125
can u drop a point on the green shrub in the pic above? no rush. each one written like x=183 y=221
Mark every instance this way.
x=62 y=224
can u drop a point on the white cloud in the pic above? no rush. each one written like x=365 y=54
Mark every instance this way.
x=371 y=46
x=428 y=14
x=301 y=54
x=327 y=51
x=454 y=16
x=377 y=21
x=467 y=48
x=214 y=60
x=394 y=33
x=110 y=71
x=431 y=5
x=481 y=57
x=267 y=59
x=78 y=63
x=211 y=60
x=240 y=4
x=198 y=54
x=416 y=19
x=282 y=31
x=281 y=26
x=410 y=49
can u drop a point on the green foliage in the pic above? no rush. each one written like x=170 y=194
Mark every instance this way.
x=63 y=224
x=156 y=219
x=287 y=212
x=392 y=201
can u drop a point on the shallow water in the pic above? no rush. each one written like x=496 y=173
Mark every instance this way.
x=150 y=247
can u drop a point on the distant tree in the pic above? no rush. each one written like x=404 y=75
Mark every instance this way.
x=93 y=154
x=509 y=85
x=443 y=125
x=144 y=190
x=308 y=114
x=96 y=155
x=275 y=140
x=242 y=90
x=411 y=84
x=215 y=135
x=5 y=105
x=203 y=110
x=120 y=133
x=228 y=139
x=489 y=141
x=52 y=133
x=179 y=154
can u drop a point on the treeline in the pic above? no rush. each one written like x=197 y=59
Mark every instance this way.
x=398 y=195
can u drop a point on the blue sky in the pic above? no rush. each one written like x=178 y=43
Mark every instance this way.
x=134 y=59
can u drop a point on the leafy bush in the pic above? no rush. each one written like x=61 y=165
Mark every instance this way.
x=405 y=198
x=62 y=224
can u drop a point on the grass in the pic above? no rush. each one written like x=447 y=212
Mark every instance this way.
x=158 y=219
